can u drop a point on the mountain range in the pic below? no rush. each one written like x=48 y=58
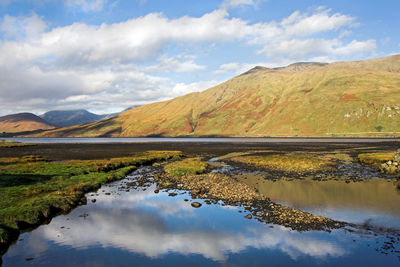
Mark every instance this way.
x=26 y=122
x=358 y=98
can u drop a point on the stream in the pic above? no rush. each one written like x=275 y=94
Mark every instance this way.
x=126 y=225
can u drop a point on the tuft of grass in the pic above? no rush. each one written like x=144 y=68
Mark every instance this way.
x=375 y=159
x=188 y=166
x=291 y=162
x=7 y=143
x=33 y=190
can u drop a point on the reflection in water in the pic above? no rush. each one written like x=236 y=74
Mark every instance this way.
x=373 y=200
x=151 y=227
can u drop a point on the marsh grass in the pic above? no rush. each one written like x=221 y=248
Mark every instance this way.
x=6 y=143
x=290 y=162
x=375 y=159
x=33 y=189
x=187 y=166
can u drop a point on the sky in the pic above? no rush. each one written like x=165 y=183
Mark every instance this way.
x=108 y=55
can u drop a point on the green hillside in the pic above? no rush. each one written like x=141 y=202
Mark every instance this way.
x=304 y=99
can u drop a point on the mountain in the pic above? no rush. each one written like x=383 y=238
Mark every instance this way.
x=23 y=122
x=65 y=118
x=360 y=98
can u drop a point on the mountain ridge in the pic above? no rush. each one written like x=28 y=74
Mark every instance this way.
x=303 y=99
x=22 y=122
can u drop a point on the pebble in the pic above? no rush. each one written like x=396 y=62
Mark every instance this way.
x=196 y=204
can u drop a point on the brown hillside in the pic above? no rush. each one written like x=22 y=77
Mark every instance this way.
x=304 y=99
x=23 y=122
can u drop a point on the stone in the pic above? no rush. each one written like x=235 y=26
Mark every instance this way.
x=196 y=204
x=93 y=200
x=248 y=216
x=156 y=191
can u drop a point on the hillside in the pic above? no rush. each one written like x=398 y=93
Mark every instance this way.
x=65 y=118
x=304 y=99
x=23 y=122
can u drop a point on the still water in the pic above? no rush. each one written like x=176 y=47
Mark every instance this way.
x=75 y=140
x=142 y=228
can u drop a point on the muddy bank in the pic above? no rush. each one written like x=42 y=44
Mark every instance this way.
x=110 y=150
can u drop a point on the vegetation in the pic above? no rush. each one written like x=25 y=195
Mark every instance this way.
x=33 y=189
x=6 y=143
x=187 y=166
x=23 y=122
x=376 y=159
x=338 y=99
x=290 y=162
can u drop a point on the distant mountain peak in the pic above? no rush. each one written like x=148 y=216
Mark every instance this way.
x=22 y=122
x=254 y=70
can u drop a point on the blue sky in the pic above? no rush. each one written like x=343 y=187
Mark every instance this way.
x=106 y=55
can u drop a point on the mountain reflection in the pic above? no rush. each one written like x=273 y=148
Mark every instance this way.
x=155 y=225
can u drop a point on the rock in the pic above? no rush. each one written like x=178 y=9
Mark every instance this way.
x=156 y=191
x=186 y=200
x=93 y=200
x=248 y=216
x=397 y=156
x=196 y=204
x=108 y=194
x=172 y=194
x=208 y=202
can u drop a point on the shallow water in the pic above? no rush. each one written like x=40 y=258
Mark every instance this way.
x=374 y=201
x=142 y=228
x=75 y=140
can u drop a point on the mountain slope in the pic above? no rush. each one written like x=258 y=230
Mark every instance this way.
x=65 y=118
x=303 y=99
x=23 y=122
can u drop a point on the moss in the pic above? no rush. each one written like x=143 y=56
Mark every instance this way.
x=375 y=159
x=33 y=191
x=290 y=162
x=186 y=166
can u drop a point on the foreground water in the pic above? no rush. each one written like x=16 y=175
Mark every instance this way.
x=127 y=226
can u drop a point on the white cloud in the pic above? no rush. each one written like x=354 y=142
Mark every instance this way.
x=228 y=67
x=175 y=64
x=22 y=27
x=87 y=5
x=235 y=3
x=99 y=65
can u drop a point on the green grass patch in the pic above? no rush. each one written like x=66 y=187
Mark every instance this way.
x=187 y=166
x=291 y=162
x=375 y=159
x=7 y=143
x=32 y=191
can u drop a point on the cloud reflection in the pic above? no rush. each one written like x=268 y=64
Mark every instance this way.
x=149 y=225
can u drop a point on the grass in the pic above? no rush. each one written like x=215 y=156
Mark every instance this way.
x=33 y=189
x=290 y=162
x=375 y=159
x=6 y=143
x=186 y=167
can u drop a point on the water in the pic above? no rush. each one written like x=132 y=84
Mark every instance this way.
x=75 y=140
x=142 y=228
x=374 y=201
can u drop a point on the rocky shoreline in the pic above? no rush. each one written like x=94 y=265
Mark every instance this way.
x=219 y=187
